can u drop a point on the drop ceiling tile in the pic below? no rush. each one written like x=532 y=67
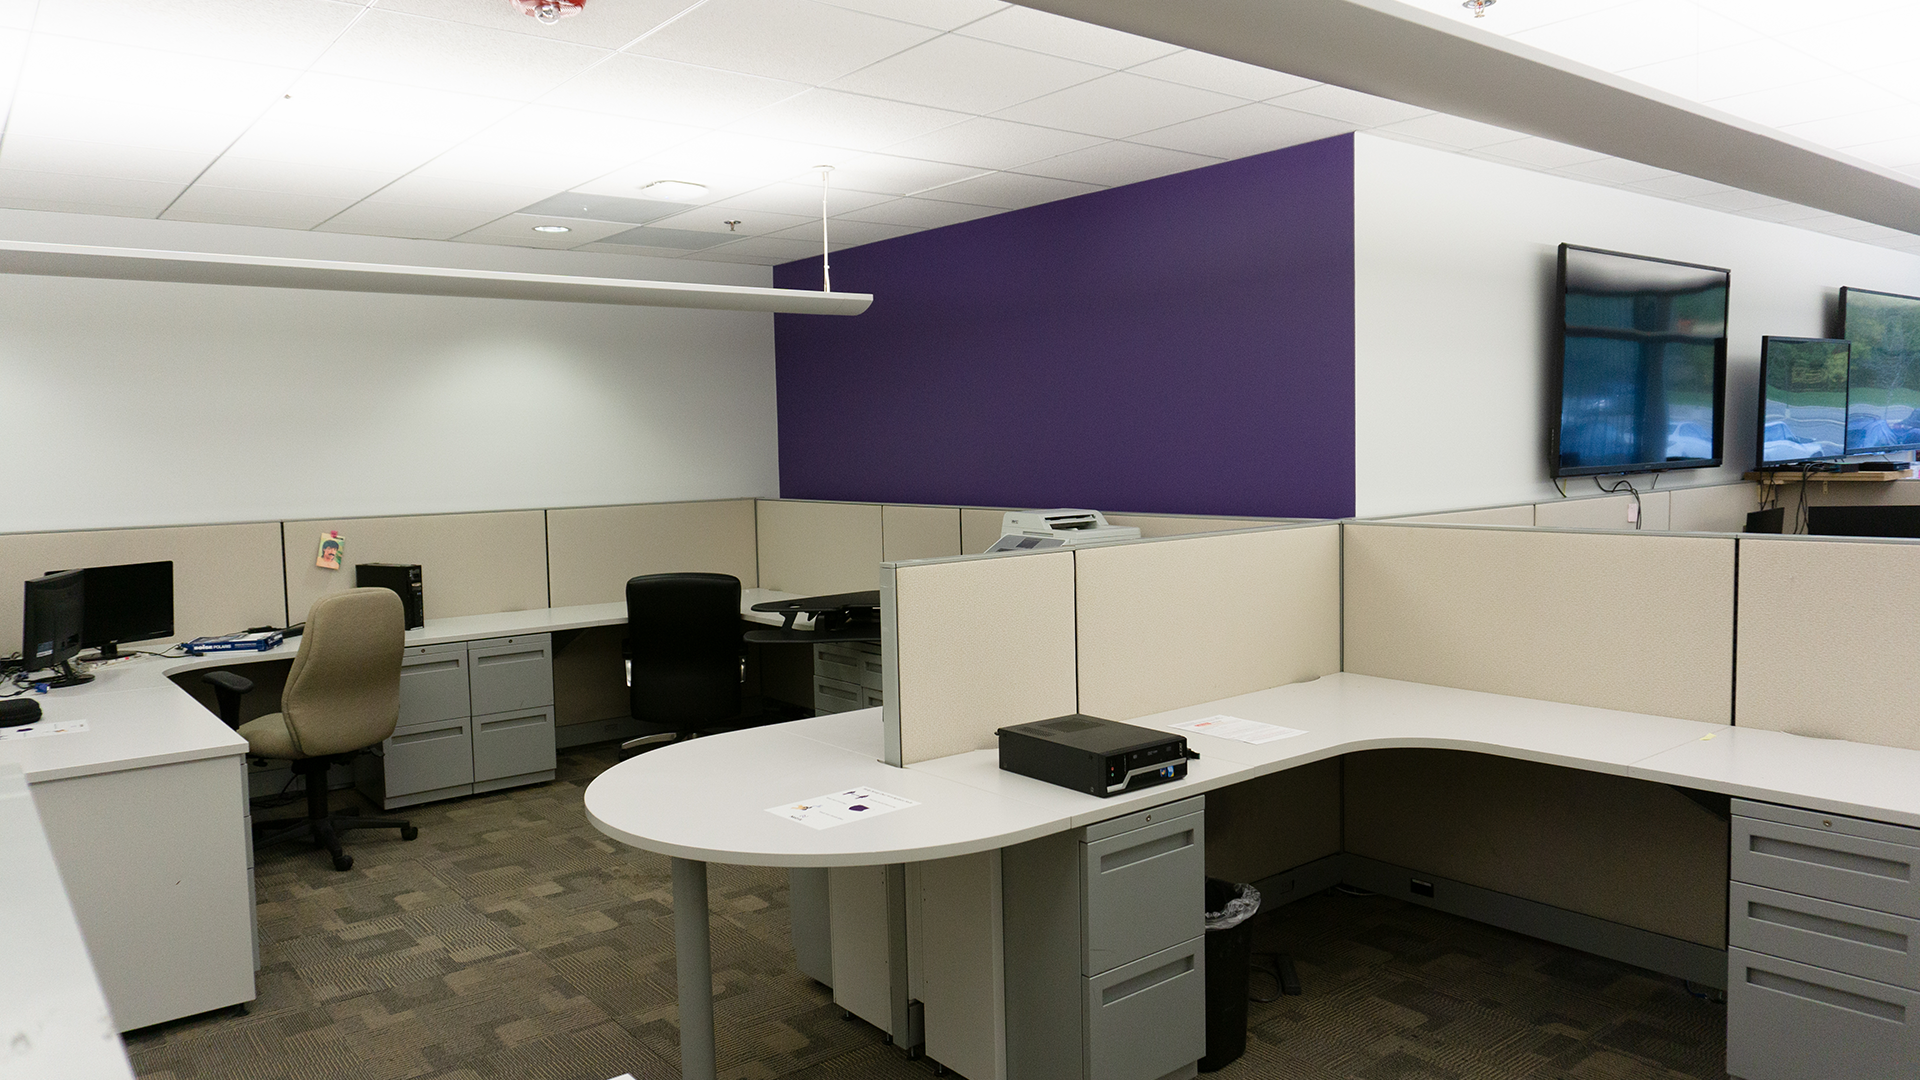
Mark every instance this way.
x=922 y=213
x=313 y=144
x=513 y=167
x=372 y=218
x=1340 y=103
x=1678 y=186
x=469 y=197
x=939 y=14
x=802 y=200
x=1636 y=34
x=296 y=179
x=735 y=158
x=1114 y=163
x=1861 y=129
x=637 y=249
x=1055 y=35
x=1754 y=66
x=656 y=89
x=123 y=123
x=17 y=14
x=608 y=26
x=1513 y=18
x=653 y=236
x=852 y=121
x=55 y=191
x=1785 y=213
x=1222 y=76
x=722 y=255
x=950 y=72
x=1839 y=96
x=986 y=143
x=457 y=57
x=1242 y=132
x=337 y=101
x=1902 y=78
x=844 y=232
x=1009 y=191
x=1120 y=105
x=289 y=33
x=769 y=246
x=1734 y=199
x=714 y=219
x=71 y=68
x=621 y=211
x=518 y=230
x=1542 y=153
x=889 y=174
x=1893 y=153
x=1869 y=41
x=1451 y=131
x=40 y=154
x=1787 y=16
x=1615 y=171
x=204 y=202
x=795 y=40
x=541 y=130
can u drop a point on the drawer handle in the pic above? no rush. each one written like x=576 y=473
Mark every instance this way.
x=1834 y=928
x=1140 y=984
x=1838 y=860
x=511 y=657
x=834 y=691
x=513 y=722
x=1140 y=853
x=430 y=665
x=1827 y=995
x=426 y=736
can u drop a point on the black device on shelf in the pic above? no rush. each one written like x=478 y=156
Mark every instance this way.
x=1901 y=521
x=1087 y=753
x=1883 y=379
x=1771 y=520
x=1639 y=373
x=1803 y=401
x=126 y=603
x=402 y=578
x=54 y=617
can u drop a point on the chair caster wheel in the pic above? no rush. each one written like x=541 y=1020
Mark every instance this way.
x=343 y=862
x=845 y=1014
x=939 y=1069
x=408 y=832
x=913 y=1053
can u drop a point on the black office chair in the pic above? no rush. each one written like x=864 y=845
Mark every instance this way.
x=685 y=658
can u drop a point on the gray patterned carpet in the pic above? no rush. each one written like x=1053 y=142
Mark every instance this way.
x=513 y=940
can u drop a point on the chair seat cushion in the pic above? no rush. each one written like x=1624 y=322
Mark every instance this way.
x=269 y=737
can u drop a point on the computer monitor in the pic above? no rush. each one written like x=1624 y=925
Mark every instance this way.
x=1902 y=521
x=126 y=603
x=50 y=634
x=1803 y=400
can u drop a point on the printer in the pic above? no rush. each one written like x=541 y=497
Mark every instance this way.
x=1032 y=530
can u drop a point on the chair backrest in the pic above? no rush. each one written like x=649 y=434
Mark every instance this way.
x=684 y=630
x=343 y=692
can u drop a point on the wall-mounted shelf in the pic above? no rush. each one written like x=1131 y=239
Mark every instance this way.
x=1794 y=476
x=208 y=268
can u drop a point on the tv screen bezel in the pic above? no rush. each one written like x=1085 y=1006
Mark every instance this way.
x=1850 y=450
x=1760 y=421
x=1558 y=371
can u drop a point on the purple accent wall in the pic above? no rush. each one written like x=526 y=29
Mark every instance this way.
x=1181 y=345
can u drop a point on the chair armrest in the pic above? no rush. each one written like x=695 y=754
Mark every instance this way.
x=228 y=688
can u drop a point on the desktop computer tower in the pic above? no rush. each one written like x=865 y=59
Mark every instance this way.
x=403 y=578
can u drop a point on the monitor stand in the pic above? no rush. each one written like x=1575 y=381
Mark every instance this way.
x=63 y=675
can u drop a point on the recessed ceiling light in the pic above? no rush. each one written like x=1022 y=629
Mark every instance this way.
x=551 y=228
x=674 y=190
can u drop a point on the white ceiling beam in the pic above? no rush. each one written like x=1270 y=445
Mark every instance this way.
x=1395 y=51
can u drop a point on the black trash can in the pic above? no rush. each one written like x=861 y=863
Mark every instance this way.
x=1229 y=963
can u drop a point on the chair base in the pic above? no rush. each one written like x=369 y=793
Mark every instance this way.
x=320 y=825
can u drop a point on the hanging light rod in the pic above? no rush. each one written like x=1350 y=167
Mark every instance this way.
x=209 y=268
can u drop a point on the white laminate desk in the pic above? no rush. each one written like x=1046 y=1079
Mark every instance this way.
x=147 y=815
x=666 y=802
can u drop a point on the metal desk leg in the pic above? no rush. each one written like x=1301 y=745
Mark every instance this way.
x=693 y=964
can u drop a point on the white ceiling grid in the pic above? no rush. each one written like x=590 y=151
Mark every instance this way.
x=452 y=119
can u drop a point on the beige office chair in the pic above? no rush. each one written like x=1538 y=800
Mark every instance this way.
x=342 y=698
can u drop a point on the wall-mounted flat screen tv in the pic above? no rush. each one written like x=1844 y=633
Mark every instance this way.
x=1641 y=370
x=1883 y=378
x=1803 y=400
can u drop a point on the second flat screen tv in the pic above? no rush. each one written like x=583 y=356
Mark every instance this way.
x=1642 y=366
x=1803 y=400
x=1883 y=380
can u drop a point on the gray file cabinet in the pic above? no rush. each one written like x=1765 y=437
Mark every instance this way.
x=1823 y=978
x=1105 y=949
x=846 y=676
x=474 y=716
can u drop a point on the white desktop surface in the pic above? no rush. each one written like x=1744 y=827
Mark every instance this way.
x=1881 y=783
x=133 y=727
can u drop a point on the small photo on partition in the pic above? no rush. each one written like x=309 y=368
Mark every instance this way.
x=333 y=551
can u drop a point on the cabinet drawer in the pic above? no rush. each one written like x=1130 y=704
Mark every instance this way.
x=433 y=683
x=1148 y=1018
x=510 y=674
x=428 y=757
x=832 y=695
x=871 y=699
x=1788 y=1021
x=1851 y=940
x=512 y=744
x=1828 y=864
x=842 y=665
x=1145 y=891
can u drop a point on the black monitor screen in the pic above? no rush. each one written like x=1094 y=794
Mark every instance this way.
x=133 y=602
x=1642 y=365
x=1883 y=384
x=50 y=634
x=1803 y=399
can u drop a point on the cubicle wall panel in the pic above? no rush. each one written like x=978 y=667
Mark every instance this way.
x=1157 y=525
x=593 y=550
x=1715 y=508
x=919 y=532
x=225 y=577
x=1606 y=512
x=816 y=548
x=470 y=564
x=1621 y=621
x=982 y=643
x=1804 y=603
x=1170 y=623
x=979 y=528
x=1242 y=842
x=1513 y=516
x=1627 y=851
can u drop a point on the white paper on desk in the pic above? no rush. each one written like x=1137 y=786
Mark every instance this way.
x=44 y=727
x=841 y=807
x=1232 y=727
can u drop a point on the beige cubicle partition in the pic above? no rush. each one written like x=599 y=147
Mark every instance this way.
x=1517 y=516
x=1655 y=512
x=1714 y=508
x=593 y=550
x=919 y=532
x=979 y=528
x=225 y=577
x=470 y=564
x=1826 y=627
x=819 y=548
x=974 y=644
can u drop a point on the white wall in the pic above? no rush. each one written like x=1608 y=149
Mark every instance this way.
x=1454 y=282
x=142 y=403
